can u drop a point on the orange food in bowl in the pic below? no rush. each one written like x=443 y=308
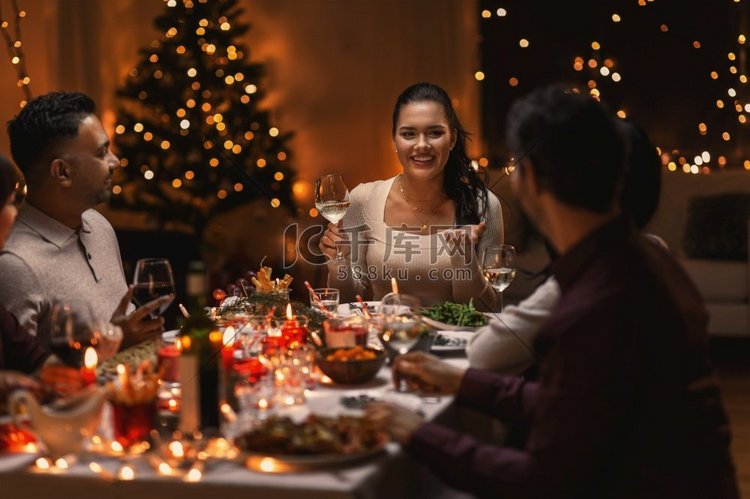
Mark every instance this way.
x=351 y=354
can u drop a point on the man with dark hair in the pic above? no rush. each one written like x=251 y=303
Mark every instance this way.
x=61 y=249
x=626 y=405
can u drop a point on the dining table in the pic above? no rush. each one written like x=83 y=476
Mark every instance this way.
x=390 y=473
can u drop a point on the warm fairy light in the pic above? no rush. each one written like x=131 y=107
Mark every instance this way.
x=523 y=43
x=126 y=473
x=278 y=176
x=747 y=164
x=479 y=76
x=228 y=144
x=484 y=162
x=486 y=14
x=236 y=149
x=604 y=71
x=714 y=75
x=267 y=464
x=138 y=127
x=213 y=162
x=148 y=174
x=176 y=183
x=672 y=166
x=698 y=160
x=192 y=72
x=61 y=464
x=726 y=136
x=743 y=79
x=595 y=45
x=251 y=89
x=664 y=28
x=592 y=84
x=95 y=467
x=42 y=463
x=249 y=135
x=578 y=66
x=501 y=12
x=238 y=187
x=592 y=63
x=616 y=18
x=513 y=81
x=686 y=168
x=702 y=127
x=190 y=103
x=165 y=469
x=733 y=70
x=731 y=56
x=229 y=79
x=595 y=93
x=720 y=104
x=184 y=124
x=222 y=194
x=275 y=202
x=741 y=39
x=706 y=156
x=281 y=156
x=194 y=475
x=742 y=119
x=164 y=144
x=221 y=127
x=273 y=132
x=116 y=190
x=120 y=129
x=622 y=114
x=158 y=74
x=694 y=170
x=732 y=92
x=239 y=77
x=261 y=163
x=697 y=44
x=15 y=60
x=722 y=161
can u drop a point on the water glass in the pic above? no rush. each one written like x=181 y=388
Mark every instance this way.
x=327 y=299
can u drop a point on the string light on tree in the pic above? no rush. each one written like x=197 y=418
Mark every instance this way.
x=15 y=49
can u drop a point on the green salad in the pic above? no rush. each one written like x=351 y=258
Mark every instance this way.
x=456 y=314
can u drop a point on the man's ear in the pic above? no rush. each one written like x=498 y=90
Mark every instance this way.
x=59 y=169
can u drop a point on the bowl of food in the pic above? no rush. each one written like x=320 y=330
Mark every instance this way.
x=351 y=366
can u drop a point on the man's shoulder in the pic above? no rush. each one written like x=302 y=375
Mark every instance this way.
x=96 y=220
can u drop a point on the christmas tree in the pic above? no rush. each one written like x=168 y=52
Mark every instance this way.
x=192 y=139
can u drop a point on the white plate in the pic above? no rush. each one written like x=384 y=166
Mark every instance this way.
x=460 y=340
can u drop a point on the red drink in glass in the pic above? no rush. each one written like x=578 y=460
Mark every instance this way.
x=133 y=423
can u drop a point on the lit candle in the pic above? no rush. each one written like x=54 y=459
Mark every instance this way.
x=88 y=371
x=294 y=330
x=394 y=285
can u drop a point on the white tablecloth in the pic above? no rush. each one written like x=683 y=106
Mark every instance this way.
x=392 y=474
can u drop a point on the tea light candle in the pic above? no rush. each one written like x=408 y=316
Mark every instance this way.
x=88 y=371
x=294 y=330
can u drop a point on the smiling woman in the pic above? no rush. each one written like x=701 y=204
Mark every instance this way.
x=437 y=214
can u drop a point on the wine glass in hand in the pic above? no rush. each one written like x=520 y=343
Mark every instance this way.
x=153 y=279
x=402 y=322
x=499 y=266
x=332 y=201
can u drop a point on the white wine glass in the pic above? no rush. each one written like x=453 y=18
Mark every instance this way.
x=153 y=279
x=499 y=266
x=332 y=201
x=401 y=324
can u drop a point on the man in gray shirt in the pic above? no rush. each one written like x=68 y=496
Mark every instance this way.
x=61 y=250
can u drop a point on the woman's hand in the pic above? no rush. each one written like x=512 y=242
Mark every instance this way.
x=399 y=422
x=461 y=242
x=334 y=238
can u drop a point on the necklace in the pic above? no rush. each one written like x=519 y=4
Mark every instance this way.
x=430 y=213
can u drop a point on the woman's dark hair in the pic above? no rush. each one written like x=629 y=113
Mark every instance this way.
x=642 y=183
x=8 y=179
x=461 y=182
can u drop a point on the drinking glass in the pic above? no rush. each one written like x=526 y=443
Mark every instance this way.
x=153 y=279
x=327 y=299
x=499 y=266
x=71 y=335
x=332 y=201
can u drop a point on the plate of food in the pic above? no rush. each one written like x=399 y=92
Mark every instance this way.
x=451 y=341
x=454 y=316
x=278 y=444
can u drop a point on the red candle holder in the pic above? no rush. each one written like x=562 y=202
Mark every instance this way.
x=294 y=331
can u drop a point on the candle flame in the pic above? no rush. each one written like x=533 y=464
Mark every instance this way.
x=120 y=369
x=394 y=285
x=90 y=358
x=289 y=314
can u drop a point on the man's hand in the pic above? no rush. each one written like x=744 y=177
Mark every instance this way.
x=399 y=422
x=136 y=327
x=426 y=373
x=12 y=380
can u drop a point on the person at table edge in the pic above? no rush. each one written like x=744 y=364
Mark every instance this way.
x=61 y=249
x=626 y=405
x=408 y=226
